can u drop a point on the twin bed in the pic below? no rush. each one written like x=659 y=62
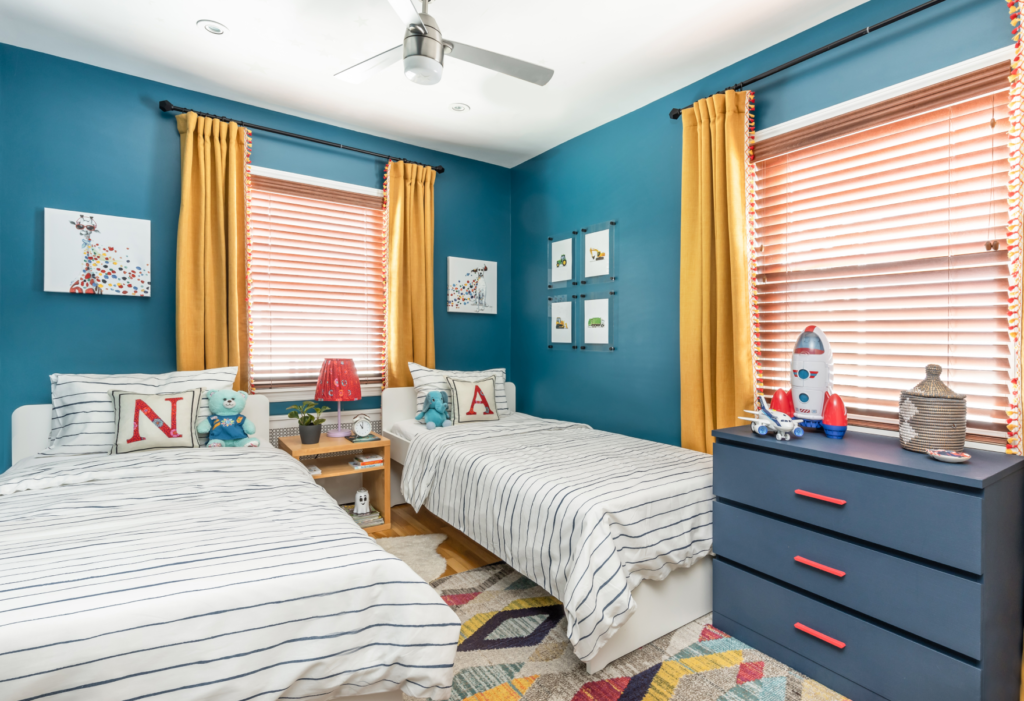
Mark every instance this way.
x=229 y=574
x=219 y=574
x=617 y=528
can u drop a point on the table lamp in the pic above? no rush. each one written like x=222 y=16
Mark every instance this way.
x=339 y=382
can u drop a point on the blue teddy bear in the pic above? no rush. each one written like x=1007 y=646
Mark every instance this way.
x=435 y=410
x=227 y=427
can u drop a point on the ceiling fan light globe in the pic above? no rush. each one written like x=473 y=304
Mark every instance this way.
x=422 y=70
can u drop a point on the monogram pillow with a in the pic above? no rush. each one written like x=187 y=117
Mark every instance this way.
x=146 y=421
x=472 y=400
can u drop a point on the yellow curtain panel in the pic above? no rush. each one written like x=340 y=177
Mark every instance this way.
x=212 y=319
x=716 y=366
x=409 y=190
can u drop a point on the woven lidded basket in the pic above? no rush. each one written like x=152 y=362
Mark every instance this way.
x=932 y=416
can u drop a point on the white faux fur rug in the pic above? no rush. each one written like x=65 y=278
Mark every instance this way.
x=419 y=552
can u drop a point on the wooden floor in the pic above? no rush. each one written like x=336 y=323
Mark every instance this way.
x=461 y=553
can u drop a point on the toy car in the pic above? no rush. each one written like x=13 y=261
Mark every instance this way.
x=596 y=254
x=595 y=323
x=560 y=262
x=559 y=324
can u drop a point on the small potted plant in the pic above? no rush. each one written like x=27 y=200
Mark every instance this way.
x=310 y=423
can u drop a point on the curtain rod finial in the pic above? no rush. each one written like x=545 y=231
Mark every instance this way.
x=439 y=169
x=675 y=112
x=166 y=106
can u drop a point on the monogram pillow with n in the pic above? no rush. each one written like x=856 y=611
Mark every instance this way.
x=147 y=421
x=472 y=400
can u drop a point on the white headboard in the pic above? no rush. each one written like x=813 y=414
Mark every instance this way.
x=399 y=403
x=30 y=426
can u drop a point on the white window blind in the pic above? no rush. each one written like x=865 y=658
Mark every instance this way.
x=317 y=274
x=893 y=240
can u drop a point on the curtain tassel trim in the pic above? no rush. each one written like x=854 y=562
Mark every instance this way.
x=753 y=248
x=247 y=189
x=384 y=272
x=1013 y=230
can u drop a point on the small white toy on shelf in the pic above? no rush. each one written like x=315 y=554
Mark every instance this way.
x=362 y=503
x=767 y=419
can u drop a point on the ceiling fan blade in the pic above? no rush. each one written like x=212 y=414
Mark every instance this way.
x=529 y=72
x=361 y=71
x=408 y=12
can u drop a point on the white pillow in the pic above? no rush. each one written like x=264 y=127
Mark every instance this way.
x=472 y=401
x=429 y=380
x=150 y=421
x=82 y=420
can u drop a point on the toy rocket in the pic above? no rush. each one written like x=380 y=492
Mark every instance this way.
x=811 y=375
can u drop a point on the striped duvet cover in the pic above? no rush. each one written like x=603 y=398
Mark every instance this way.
x=586 y=514
x=205 y=574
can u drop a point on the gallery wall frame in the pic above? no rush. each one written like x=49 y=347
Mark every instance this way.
x=562 y=261
x=597 y=320
x=562 y=313
x=597 y=253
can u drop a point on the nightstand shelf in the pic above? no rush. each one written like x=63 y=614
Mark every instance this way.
x=376 y=480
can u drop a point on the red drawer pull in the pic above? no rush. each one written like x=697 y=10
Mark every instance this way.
x=819 y=497
x=820 y=636
x=819 y=566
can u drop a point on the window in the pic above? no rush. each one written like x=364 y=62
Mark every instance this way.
x=317 y=274
x=887 y=228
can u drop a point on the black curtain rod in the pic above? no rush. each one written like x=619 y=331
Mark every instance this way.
x=676 y=111
x=166 y=106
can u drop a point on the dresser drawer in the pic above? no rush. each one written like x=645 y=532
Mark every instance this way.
x=889 y=664
x=941 y=607
x=935 y=523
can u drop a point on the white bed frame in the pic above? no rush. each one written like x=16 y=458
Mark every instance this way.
x=661 y=607
x=30 y=426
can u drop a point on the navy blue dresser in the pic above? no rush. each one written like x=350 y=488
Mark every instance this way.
x=879 y=572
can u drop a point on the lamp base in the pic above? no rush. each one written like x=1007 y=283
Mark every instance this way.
x=339 y=432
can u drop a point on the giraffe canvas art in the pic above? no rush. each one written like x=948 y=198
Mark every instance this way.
x=96 y=254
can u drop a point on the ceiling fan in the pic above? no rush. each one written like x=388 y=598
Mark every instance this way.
x=424 y=49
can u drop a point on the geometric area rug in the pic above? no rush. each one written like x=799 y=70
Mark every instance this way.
x=513 y=646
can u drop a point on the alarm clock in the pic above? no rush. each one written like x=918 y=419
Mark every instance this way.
x=362 y=426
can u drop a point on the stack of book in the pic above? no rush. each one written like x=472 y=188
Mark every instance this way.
x=361 y=462
x=364 y=520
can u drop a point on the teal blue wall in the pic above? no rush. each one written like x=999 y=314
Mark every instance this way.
x=629 y=170
x=73 y=136
x=77 y=137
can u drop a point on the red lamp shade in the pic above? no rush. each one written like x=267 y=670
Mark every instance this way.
x=339 y=381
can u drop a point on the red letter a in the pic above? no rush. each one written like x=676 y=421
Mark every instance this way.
x=478 y=396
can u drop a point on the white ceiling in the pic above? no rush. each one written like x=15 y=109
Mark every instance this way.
x=610 y=57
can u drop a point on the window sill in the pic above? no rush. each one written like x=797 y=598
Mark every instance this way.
x=301 y=394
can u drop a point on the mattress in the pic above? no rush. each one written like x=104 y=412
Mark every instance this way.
x=408 y=428
x=203 y=574
x=586 y=514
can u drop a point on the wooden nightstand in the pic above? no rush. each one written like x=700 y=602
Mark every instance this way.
x=376 y=480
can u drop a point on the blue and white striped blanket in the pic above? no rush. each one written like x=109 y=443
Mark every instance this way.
x=586 y=514
x=212 y=574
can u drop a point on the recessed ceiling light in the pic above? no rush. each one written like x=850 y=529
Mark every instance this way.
x=459 y=107
x=212 y=27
